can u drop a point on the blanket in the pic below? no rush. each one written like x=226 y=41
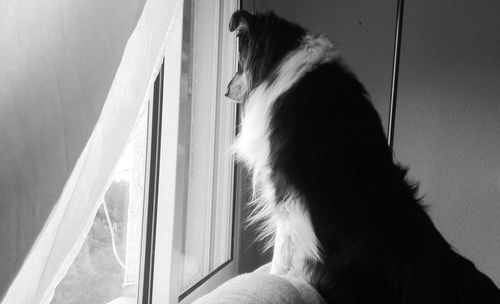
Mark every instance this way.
x=260 y=287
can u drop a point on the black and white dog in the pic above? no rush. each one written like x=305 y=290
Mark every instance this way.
x=339 y=211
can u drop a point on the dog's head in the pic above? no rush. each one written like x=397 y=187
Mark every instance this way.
x=263 y=41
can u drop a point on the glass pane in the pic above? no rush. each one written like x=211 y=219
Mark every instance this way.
x=207 y=214
x=107 y=267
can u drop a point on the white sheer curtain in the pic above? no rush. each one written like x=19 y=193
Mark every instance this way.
x=53 y=83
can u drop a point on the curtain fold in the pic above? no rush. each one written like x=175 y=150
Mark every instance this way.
x=58 y=59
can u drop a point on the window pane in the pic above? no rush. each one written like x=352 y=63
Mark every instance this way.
x=207 y=213
x=107 y=266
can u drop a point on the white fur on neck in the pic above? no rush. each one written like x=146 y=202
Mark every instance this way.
x=252 y=143
x=288 y=222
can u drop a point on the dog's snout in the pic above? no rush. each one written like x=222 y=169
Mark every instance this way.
x=237 y=88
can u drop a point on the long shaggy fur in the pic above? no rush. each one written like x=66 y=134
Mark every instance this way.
x=339 y=212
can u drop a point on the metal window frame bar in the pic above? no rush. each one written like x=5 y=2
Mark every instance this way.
x=395 y=73
x=150 y=208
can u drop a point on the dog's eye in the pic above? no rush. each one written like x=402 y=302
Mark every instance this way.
x=241 y=34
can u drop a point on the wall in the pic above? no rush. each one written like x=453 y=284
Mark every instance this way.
x=448 y=120
x=364 y=33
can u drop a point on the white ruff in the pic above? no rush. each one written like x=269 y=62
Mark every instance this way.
x=288 y=222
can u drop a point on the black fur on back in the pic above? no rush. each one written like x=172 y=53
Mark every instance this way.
x=327 y=144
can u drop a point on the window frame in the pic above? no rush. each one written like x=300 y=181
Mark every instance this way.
x=163 y=210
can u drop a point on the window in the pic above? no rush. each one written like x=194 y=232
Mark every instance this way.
x=208 y=130
x=107 y=266
x=164 y=230
x=193 y=235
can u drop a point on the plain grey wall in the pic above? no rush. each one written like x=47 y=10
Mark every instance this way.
x=364 y=33
x=448 y=120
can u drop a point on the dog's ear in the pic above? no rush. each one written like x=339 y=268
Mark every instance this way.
x=240 y=21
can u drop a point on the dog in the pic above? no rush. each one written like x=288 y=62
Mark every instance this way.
x=337 y=209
